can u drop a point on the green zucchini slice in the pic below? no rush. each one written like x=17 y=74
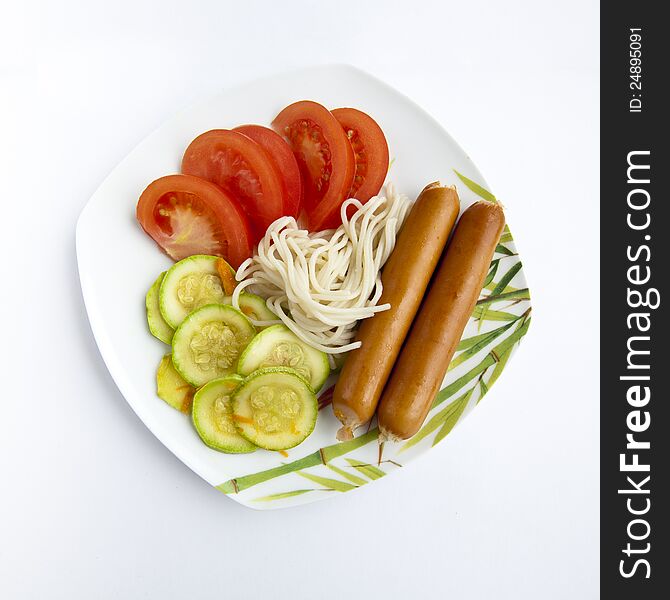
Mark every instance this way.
x=212 y=416
x=172 y=388
x=279 y=346
x=189 y=284
x=275 y=408
x=208 y=343
x=157 y=325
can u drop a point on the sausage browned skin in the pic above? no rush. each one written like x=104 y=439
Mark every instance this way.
x=439 y=325
x=405 y=278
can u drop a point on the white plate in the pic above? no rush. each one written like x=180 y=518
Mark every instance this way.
x=118 y=263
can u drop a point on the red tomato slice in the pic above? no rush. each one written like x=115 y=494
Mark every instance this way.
x=187 y=215
x=283 y=159
x=243 y=169
x=324 y=156
x=370 y=149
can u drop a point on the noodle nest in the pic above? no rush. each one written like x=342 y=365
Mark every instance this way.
x=321 y=284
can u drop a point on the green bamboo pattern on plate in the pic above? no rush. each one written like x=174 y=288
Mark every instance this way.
x=499 y=321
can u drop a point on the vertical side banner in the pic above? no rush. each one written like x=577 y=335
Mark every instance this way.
x=635 y=357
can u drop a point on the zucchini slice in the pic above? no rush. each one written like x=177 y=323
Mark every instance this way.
x=157 y=325
x=254 y=307
x=275 y=408
x=279 y=346
x=208 y=343
x=189 y=284
x=172 y=388
x=212 y=416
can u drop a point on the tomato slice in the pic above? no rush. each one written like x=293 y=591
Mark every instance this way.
x=243 y=169
x=187 y=215
x=324 y=156
x=370 y=150
x=283 y=159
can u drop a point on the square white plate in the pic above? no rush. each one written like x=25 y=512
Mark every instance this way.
x=118 y=262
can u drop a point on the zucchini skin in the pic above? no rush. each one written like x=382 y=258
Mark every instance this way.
x=157 y=325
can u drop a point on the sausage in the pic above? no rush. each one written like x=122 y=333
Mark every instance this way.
x=439 y=325
x=405 y=278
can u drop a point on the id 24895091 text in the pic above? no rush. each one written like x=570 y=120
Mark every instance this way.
x=635 y=70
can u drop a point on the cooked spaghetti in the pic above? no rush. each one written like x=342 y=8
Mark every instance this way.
x=321 y=284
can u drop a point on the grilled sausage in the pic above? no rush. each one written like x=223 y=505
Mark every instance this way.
x=440 y=322
x=405 y=278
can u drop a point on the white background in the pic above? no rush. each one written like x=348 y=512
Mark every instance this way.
x=93 y=506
